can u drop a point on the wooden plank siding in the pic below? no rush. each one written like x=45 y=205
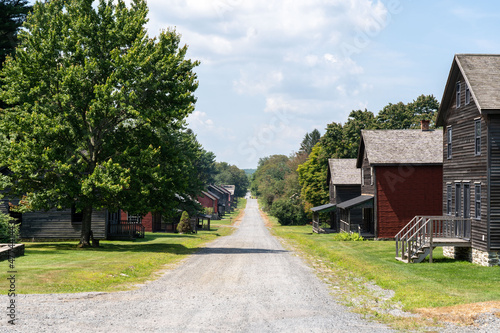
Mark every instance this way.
x=56 y=224
x=494 y=180
x=367 y=183
x=464 y=167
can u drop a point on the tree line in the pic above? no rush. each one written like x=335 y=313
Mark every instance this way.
x=94 y=111
x=289 y=186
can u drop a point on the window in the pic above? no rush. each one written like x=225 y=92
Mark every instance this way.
x=477 y=199
x=477 y=136
x=17 y=216
x=76 y=217
x=448 y=199
x=458 y=94
x=134 y=218
x=371 y=176
x=467 y=201
x=458 y=200
x=467 y=94
x=362 y=176
x=448 y=139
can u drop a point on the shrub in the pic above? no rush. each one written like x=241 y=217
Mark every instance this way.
x=6 y=229
x=346 y=236
x=184 y=226
x=288 y=212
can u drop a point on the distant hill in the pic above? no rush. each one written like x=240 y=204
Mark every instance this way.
x=249 y=171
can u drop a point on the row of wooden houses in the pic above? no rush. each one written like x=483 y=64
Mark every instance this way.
x=427 y=188
x=213 y=203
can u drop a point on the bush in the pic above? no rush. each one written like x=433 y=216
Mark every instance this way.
x=184 y=227
x=288 y=212
x=6 y=229
x=346 y=236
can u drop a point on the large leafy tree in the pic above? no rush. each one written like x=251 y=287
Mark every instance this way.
x=99 y=110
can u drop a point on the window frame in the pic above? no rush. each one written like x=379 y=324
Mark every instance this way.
x=466 y=200
x=458 y=94
x=477 y=201
x=76 y=218
x=467 y=94
x=477 y=137
x=449 y=142
x=448 y=200
x=458 y=199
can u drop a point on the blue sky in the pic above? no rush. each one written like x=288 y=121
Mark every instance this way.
x=271 y=71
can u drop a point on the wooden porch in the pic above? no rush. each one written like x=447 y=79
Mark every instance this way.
x=125 y=231
x=423 y=234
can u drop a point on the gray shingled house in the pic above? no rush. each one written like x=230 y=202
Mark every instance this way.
x=470 y=117
x=344 y=183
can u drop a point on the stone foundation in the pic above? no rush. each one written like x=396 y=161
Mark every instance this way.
x=475 y=256
x=483 y=258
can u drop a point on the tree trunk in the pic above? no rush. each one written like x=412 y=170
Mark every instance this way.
x=86 y=227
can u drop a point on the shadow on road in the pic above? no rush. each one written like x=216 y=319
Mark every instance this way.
x=231 y=250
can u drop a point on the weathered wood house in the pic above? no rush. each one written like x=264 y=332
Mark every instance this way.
x=401 y=175
x=223 y=199
x=344 y=183
x=470 y=117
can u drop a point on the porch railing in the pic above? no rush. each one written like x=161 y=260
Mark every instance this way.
x=125 y=228
x=422 y=230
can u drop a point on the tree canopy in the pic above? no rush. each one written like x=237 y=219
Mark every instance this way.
x=98 y=110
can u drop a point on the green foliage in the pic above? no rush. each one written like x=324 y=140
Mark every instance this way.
x=405 y=116
x=288 y=212
x=348 y=236
x=12 y=15
x=9 y=231
x=310 y=139
x=268 y=181
x=99 y=110
x=231 y=175
x=184 y=227
x=312 y=178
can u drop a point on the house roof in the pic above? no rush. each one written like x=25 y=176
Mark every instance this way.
x=229 y=188
x=324 y=208
x=343 y=172
x=362 y=200
x=392 y=147
x=482 y=75
x=209 y=195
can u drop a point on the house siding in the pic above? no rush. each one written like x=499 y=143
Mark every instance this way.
x=404 y=192
x=56 y=224
x=464 y=166
x=367 y=185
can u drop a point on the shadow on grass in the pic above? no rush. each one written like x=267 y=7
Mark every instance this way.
x=49 y=248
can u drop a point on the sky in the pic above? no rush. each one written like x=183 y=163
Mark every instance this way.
x=271 y=71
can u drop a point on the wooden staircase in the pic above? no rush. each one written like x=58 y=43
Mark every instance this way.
x=423 y=234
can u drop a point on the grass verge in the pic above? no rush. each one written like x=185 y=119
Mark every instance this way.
x=61 y=267
x=356 y=270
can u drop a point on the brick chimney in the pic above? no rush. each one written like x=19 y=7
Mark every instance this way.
x=424 y=125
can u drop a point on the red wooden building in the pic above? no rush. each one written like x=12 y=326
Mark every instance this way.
x=401 y=177
x=210 y=201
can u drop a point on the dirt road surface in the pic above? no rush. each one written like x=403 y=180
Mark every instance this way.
x=245 y=282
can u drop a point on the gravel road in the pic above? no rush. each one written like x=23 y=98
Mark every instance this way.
x=245 y=282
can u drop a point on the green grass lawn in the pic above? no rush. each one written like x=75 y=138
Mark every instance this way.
x=445 y=282
x=61 y=267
